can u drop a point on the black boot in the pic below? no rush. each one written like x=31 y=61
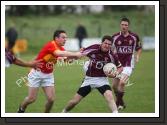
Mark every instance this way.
x=20 y=110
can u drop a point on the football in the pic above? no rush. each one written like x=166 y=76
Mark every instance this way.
x=109 y=68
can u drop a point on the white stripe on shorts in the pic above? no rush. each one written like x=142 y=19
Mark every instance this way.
x=95 y=82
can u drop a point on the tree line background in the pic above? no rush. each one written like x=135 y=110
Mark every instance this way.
x=22 y=10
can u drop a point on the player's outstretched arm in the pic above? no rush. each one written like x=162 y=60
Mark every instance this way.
x=68 y=54
x=33 y=64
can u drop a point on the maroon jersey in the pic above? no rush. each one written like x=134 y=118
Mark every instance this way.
x=98 y=59
x=125 y=47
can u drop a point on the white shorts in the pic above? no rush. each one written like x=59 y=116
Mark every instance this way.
x=124 y=76
x=95 y=82
x=37 y=79
x=127 y=70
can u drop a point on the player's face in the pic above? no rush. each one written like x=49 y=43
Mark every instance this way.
x=106 y=45
x=124 y=26
x=62 y=39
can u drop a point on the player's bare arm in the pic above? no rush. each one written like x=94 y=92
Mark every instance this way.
x=138 y=53
x=34 y=64
x=68 y=54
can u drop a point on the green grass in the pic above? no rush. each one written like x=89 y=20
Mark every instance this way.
x=139 y=97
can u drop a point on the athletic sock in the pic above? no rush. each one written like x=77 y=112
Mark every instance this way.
x=115 y=111
x=64 y=111
x=120 y=98
x=117 y=99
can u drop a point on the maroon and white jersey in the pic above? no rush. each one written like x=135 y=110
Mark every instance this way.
x=125 y=47
x=98 y=59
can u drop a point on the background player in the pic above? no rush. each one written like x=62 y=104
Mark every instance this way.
x=126 y=43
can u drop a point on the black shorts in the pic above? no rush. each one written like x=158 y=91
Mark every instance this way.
x=84 y=91
x=103 y=88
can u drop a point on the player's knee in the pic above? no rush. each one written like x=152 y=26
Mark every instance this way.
x=108 y=95
x=122 y=83
x=31 y=99
x=51 y=99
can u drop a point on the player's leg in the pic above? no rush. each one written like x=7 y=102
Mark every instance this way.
x=32 y=95
x=81 y=93
x=50 y=95
x=72 y=103
x=105 y=90
x=49 y=90
x=115 y=83
x=124 y=77
x=115 y=86
x=121 y=91
x=33 y=83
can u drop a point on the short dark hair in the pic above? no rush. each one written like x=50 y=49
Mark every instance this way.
x=57 y=33
x=125 y=19
x=107 y=37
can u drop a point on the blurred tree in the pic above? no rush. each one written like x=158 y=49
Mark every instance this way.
x=120 y=7
x=21 y=10
x=69 y=9
x=58 y=9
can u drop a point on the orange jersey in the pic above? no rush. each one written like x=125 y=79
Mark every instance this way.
x=49 y=59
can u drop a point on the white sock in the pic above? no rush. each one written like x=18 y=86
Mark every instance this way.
x=64 y=111
x=116 y=111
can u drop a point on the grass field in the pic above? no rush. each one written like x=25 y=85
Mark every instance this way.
x=139 y=97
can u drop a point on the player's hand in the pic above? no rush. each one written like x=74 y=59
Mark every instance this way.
x=114 y=74
x=62 y=59
x=110 y=74
x=119 y=70
x=82 y=49
x=36 y=64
